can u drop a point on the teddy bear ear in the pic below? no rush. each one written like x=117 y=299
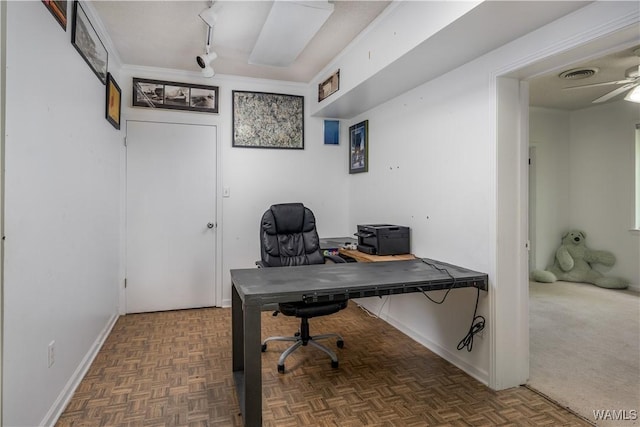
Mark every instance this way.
x=584 y=234
x=565 y=234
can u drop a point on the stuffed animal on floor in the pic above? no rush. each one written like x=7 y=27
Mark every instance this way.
x=573 y=263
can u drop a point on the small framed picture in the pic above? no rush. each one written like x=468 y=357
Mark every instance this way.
x=359 y=147
x=114 y=103
x=86 y=41
x=329 y=86
x=331 y=132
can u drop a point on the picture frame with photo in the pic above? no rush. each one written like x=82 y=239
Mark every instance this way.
x=174 y=95
x=87 y=42
x=267 y=120
x=329 y=86
x=359 y=147
x=113 y=107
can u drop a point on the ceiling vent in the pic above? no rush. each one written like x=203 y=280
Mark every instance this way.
x=578 y=73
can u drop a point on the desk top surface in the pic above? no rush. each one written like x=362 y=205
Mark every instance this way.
x=257 y=286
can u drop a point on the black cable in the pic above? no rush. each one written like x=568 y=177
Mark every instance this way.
x=477 y=324
x=442 y=270
x=475 y=328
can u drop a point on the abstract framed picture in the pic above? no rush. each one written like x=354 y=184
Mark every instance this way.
x=86 y=41
x=359 y=147
x=113 y=103
x=267 y=120
x=174 y=95
x=332 y=132
x=58 y=9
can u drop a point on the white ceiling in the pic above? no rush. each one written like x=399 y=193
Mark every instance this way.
x=549 y=90
x=170 y=34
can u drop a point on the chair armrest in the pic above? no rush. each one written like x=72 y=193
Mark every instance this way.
x=261 y=264
x=335 y=258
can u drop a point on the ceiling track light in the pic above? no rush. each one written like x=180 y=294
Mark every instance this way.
x=209 y=16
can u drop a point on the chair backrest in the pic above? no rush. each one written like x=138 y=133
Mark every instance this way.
x=288 y=236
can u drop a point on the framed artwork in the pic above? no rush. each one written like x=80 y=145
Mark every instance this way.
x=268 y=120
x=113 y=103
x=329 y=86
x=359 y=147
x=86 y=41
x=331 y=132
x=58 y=9
x=174 y=95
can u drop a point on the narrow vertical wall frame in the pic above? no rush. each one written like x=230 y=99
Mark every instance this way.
x=88 y=44
x=359 y=147
x=113 y=102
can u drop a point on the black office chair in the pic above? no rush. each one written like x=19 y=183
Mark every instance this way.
x=288 y=237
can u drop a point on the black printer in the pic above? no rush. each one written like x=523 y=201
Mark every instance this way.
x=383 y=239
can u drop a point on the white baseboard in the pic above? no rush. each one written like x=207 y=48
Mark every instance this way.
x=478 y=374
x=66 y=394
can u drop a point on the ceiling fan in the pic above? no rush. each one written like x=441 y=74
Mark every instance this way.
x=630 y=83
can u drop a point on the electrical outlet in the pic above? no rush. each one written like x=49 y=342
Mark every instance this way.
x=51 y=353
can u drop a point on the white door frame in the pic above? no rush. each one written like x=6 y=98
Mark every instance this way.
x=509 y=296
x=218 y=207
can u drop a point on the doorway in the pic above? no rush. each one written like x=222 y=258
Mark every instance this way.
x=171 y=220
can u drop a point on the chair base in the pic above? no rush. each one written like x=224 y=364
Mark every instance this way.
x=300 y=340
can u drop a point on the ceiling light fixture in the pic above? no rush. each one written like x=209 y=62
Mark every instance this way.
x=289 y=27
x=634 y=95
x=204 y=61
x=209 y=16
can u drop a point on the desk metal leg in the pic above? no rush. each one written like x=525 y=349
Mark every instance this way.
x=247 y=358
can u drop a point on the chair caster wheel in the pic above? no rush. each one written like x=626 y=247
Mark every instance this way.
x=281 y=369
x=264 y=348
x=339 y=343
x=334 y=365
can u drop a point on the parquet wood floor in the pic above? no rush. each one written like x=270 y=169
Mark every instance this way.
x=174 y=369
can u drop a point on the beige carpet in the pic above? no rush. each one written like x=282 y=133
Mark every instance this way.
x=585 y=349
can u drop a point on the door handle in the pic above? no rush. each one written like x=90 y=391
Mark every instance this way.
x=210 y=225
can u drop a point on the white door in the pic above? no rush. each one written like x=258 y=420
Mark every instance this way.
x=171 y=223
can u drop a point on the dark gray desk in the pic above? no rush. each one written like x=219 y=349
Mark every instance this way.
x=254 y=288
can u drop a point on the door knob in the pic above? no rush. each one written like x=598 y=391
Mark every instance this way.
x=210 y=225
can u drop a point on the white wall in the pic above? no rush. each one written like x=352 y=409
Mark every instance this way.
x=258 y=178
x=549 y=134
x=430 y=170
x=602 y=188
x=62 y=194
x=585 y=180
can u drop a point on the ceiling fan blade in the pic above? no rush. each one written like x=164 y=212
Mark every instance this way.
x=617 y=82
x=615 y=92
